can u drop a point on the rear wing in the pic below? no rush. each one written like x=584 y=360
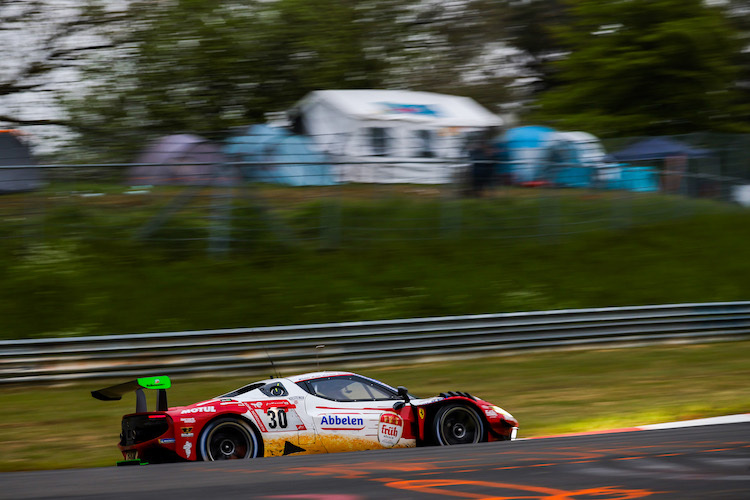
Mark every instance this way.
x=115 y=393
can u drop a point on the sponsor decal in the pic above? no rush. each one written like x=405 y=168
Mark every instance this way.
x=277 y=416
x=344 y=421
x=188 y=447
x=421 y=413
x=166 y=441
x=490 y=413
x=187 y=432
x=200 y=409
x=189 y=420
x=154 y=382
x=411 y=109
x=390 y=428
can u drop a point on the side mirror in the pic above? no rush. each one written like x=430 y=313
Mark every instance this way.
x=404 y=393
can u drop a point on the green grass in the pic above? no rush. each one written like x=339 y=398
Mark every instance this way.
x=78 y=287
x=549 y=393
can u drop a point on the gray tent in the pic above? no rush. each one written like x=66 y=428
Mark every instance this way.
x=16 y=153
x=657 y=148
x=183 y=159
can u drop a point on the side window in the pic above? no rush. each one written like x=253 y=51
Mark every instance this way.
x=348 y=389
x=242 y=390
x=379 y=141
x=425 y=144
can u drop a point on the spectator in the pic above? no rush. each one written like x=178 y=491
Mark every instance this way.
x=482 y=169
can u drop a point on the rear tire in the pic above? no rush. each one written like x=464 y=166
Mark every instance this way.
x=228 y=439
x=458 y=424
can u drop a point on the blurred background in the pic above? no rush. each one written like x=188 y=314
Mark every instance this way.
x=189 y=164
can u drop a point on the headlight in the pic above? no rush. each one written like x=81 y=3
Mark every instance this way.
x=502 y=412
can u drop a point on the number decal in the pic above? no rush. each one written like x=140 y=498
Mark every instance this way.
x=278 y=418
x=272 y=415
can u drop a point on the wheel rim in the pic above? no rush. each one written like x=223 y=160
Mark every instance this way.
x=460 y=425
x=229 y=441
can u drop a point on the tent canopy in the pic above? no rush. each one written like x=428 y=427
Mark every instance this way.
x=528 y=136
x=657 y=148
x=280 y=157
x=441 y=110
x=184 y=159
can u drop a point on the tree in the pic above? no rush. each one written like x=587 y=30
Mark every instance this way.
x=530 y=29
x=645 y=67
x=458 y=48
x=738 y=14
x=45 y=44
x=206 y=67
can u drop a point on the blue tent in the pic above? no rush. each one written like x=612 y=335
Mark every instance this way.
x=530 y=136
x=280 y=157
x=657 y=148
x=525 y=150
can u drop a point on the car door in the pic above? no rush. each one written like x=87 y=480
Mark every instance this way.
x=351 y=413
x=277 y=410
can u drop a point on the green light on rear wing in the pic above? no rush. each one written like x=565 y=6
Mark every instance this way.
x=115 y=393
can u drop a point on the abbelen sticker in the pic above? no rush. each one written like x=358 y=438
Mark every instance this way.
x=390 y=428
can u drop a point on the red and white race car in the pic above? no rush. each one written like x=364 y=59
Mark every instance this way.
x=322 y=412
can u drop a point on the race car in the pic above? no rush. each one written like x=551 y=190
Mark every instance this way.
x=322 y=412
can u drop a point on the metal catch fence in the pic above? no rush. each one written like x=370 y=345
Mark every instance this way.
x=93 y=203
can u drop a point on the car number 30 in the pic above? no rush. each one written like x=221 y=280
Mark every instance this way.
x=277 y=418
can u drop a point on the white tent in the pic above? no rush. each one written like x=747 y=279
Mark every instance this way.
x=393 y=136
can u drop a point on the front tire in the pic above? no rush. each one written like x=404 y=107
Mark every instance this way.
x=228 y=439
x=458 y=424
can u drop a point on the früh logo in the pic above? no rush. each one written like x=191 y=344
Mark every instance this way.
x=390 y=429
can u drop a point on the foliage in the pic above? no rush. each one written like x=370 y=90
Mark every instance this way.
x=645 y=67
x=403 y=255
x=134 y=69
x=45 y=43
x=206 y=67
x=530 y=28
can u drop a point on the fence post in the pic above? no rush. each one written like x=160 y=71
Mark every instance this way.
x=549 y=215
x=220 y=230
x=330 y=223
x=451 y=216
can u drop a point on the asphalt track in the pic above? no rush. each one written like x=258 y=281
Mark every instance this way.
x=700 y=462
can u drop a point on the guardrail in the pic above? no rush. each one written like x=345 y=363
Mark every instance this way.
x=264 y=350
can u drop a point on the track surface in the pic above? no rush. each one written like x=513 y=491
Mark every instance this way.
x=703 y=462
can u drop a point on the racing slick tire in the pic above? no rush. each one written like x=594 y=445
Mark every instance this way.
x=458 y=424
x=228 y=439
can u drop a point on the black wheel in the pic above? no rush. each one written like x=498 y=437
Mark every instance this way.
x=228 y=439
x=458 y=424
